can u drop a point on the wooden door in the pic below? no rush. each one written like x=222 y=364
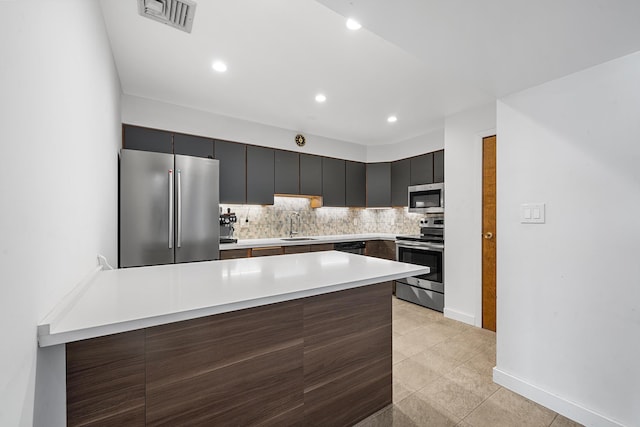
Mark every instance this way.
x=489 y=233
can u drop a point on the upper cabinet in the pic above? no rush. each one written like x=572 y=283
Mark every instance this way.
x=355 y=184
x=400 y=181
x=233 y=182
x=310 y=175
x=378 y=185
x=333 y=182
x=145 y=139
x=422 y=169
x=260 y=175
x=287 y=172
x=438 y=166
x=195 y=146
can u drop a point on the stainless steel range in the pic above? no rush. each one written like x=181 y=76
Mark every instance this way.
x=426 y=249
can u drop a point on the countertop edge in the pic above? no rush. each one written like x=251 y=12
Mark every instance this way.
x=46 y=338
x=313 y=240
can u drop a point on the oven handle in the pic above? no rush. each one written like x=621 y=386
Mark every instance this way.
x=425 y=246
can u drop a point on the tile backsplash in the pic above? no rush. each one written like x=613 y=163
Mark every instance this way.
x=274 y=221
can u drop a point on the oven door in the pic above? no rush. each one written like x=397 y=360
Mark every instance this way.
x=428 y=254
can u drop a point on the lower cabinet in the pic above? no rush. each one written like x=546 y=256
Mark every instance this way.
x=322 y=247
x=298 y=249
x=291 y=363
x=268 y=251
x=235 y=254
x=384 y=249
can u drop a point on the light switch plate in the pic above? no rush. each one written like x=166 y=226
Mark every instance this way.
x=532 y=213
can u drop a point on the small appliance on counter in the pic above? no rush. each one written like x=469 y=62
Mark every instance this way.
x=227 y=221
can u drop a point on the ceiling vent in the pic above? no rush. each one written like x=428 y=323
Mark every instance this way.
x=176 y=13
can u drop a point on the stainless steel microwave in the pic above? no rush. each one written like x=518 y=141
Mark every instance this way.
x=426 y=198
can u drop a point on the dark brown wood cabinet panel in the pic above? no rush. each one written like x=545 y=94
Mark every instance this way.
x=287 y=172
x=267 y=251
x=384 y=249
x=438 y=166
x=379 y=185
x=322 y=247
x=193 y=367
x=355 y=184
x=297 y=249
x=347 y=367
x=235 y=253
x=233 y=168
x=196 y=146
x=145 y=139
x=333 y=182
x=400 y=181
x=317 y=361
x=422 y=169
x=106 y=380
x=260 y=175
x=310 y=175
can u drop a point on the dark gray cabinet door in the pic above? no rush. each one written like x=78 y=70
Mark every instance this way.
x=310 y=175
x=232 y=171
x=378 y=185
x=260 y=175
x=356 y=184
x=144 y=139
x=422 y=169
x=400 y=179
x=438 y=166
x=333 y=182
x=287 y=172
x=195 y=146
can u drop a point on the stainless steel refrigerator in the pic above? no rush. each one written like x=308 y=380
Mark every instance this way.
x=168 y=209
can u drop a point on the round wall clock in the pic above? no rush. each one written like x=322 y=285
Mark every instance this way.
x=300 y=140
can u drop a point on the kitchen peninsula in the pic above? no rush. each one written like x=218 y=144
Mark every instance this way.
x=285 y=340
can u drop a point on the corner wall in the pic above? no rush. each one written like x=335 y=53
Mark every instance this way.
x=60 y=133
x=569 y=290
x=463 y=211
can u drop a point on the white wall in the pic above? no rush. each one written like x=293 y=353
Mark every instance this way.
x=59 y=110
x=426 y=143
x=463 y=206
x=569 y=290
x=160 y=115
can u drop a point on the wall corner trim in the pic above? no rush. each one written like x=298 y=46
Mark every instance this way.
x=460 y=316
x=552 y=401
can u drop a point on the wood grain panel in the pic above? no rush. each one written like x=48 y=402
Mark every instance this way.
x=322 y=247
x=268 y=251
x=350 y=398
x=297 y=249
x=105 y=380
x=340 y=314
x=489 y=226
x=244 y=366
x=234 y=254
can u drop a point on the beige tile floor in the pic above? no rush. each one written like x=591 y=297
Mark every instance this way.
x=442 y=376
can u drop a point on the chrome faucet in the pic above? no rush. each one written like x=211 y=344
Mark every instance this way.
x=291 y=217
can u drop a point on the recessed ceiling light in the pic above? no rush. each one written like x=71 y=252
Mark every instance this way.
x=352 y=24
x=219 y=66
x=392 y=119
x=320 y=98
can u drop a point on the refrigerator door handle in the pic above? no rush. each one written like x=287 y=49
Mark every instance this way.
x=170 y=208
x=179 y=184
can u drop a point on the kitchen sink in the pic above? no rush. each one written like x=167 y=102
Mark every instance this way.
x=297 y=239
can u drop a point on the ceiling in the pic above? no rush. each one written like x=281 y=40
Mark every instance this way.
x=420 y=60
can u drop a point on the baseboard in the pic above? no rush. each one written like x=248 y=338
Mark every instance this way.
x=556 y=403
x=459 y=316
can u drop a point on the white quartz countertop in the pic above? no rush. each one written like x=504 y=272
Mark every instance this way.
x=280 y=241
x=115 y=301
